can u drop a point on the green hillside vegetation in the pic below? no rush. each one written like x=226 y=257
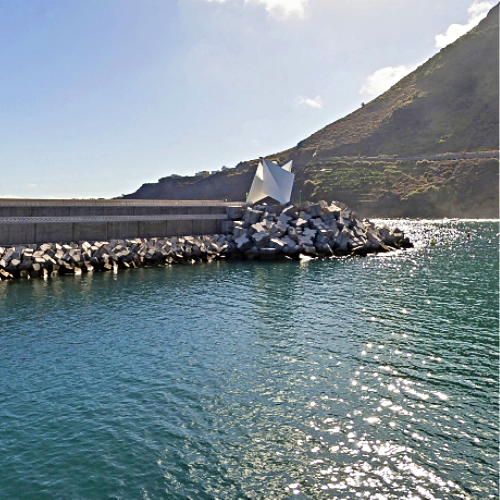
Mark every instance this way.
x=451 y=188
x=448 y=105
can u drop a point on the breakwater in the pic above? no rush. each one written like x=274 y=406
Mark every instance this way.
x=261 y=232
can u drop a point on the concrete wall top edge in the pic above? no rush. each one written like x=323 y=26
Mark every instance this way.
x=111 y=218
x=28 y=202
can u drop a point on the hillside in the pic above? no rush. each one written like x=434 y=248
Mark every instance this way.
x=446 y=107
x=448 y=104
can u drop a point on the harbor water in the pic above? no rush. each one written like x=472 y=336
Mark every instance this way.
x=372 y=378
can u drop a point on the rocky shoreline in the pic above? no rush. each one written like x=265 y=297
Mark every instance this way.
x=264 y=232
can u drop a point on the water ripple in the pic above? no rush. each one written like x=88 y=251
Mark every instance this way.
x=351 y=378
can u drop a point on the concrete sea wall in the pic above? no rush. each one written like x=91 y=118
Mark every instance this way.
x=51 y=221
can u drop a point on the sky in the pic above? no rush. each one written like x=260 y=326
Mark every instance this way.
x=100 y=96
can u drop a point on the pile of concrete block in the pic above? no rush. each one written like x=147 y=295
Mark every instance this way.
x=52 y=259
x=315 y=230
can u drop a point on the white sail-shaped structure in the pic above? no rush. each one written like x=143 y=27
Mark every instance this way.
x=272 y=181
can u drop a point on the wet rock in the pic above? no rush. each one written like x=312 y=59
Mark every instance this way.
x=268 y=253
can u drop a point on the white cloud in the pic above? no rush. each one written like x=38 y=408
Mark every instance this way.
x=383 y=79
x=477 y=11
x=280 y=9
x=283 y=8
x=317 y=102
x=256 y=143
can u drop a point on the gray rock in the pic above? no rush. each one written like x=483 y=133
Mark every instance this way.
x=281 y=227
x=288 y=241
x=292 y=232
x=374 y=238
x=49 y=261
x=305 y=240
x=243 y=243
x=300 y=223
x=257 y=228
x=327 y=218
x=268 y=224
x=309 y=250
x=315 y=210
x=252 y=216
x=290 y=211
x=268 y=253
x=323 y=249
x=293 y=250
x=283 y=217
x=237 y=232
x=320 y=239
x=26 y=264
x=317 y=224
x=277 y=243
x=342 y=241
x=261 y=239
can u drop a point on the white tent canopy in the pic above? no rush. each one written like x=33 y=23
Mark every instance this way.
x=273 y=181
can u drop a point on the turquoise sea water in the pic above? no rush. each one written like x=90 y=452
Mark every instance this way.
x=372 y=378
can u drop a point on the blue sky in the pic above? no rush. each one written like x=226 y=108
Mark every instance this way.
x=100 y=96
